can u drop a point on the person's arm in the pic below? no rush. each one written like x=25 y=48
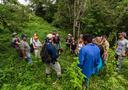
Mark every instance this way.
x=17 y=41
x=70 y=47
x=97 y=61
x=31 y=41
x=34 y=44
x=59 y=42
x=107 y=47
x=39 y=43
x=81 y=58
x=66 y=41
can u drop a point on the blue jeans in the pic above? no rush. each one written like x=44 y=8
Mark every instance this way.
x=28 y=57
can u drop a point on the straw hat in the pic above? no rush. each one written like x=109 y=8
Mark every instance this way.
x=49 y=36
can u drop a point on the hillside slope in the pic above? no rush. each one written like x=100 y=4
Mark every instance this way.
x=18 y=75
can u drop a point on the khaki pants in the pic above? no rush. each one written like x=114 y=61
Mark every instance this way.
x=37 y=53
x=55 y=66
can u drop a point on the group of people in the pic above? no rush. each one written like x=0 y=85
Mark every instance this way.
x=74 y=45
x=93 y=55
x=22 y=47
x=92 y=51
x=48 y=50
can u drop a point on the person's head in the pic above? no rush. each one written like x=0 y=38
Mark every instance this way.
x=122 y=35
x=87 y=38
x=14 y=34
x=80 y=41
x=24 y=38
x=97 y=40
x=35 y=34
x=73 y=38
x=104 y=37
x=53 y=36
x=35 y=37
x=69 y=35
x=53 y=33
x=23 y=35
x=81 y=35
x=50 y=37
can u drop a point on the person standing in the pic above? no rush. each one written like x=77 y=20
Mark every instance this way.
x=120 y=53
x=89 y=58
x=105 y=45
x=16 y=44
x=79 y=45
x=97 y=41
x=49 y=56
x=68 y=41
x=58 y=43
x=35 y=42
x=73 y=46
x=25 y=48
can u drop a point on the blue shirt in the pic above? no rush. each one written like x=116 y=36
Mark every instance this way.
x=52 y=51
x=89 y=59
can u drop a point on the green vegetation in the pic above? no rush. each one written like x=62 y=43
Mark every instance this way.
x=106 y=17
x=19 y=75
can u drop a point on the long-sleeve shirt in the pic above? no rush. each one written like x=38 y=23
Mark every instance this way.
x=52 y=51
x=89 y=59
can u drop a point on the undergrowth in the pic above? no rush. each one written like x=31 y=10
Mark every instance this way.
x=18 y=75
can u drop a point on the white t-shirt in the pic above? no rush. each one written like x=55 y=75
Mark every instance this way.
x=122 y=46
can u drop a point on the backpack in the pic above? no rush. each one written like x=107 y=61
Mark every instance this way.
x=31 y=48
x=46 y=58
x=13 y=43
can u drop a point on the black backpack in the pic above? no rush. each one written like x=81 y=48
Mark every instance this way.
x=31 y=48
x=46 y=58
x=13 y=43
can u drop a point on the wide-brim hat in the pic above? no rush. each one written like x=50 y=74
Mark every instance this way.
x=69 y=34
x=13 y=34
x=49 y=36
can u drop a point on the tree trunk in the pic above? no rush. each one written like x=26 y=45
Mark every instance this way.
x=79 y=9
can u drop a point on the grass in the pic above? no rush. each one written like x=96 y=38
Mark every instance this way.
x=18 y=75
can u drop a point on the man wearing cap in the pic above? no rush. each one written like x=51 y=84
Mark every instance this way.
x=122 y=46
x=53 y=63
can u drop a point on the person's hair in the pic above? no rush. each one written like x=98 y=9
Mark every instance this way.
x=88 y=38
x=23 y=35
x=104 y=36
